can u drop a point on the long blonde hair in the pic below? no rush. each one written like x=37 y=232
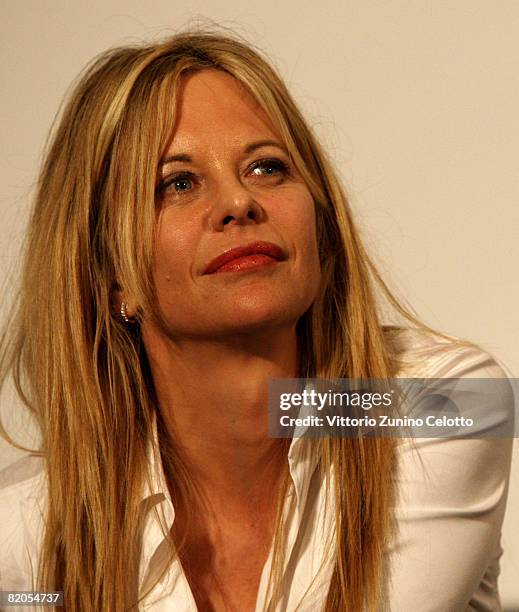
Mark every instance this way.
x=83 y=373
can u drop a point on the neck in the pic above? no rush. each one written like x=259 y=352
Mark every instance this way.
x=213 y=397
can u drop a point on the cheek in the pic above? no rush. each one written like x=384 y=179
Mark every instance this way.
x=297 y=225
x=174 y=250
x=300 y=225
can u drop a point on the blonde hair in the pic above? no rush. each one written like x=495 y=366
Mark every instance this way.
x=83 y=373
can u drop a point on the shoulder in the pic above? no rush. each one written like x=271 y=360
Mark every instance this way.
x=471 y=380
x=22 y=502
x=21 y=484
x=21 y=471
x=456 y=378
x=423 y=354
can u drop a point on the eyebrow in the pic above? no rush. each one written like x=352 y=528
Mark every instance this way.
x=251 y=147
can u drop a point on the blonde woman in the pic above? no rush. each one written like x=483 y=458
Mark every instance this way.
x=188 y=243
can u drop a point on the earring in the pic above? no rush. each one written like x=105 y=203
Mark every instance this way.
x=125 y=317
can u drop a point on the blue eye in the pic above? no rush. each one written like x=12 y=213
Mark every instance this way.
x=179 y=183
x=182 y=184
x=269 y=167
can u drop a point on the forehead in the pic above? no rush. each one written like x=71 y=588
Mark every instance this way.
x=213 y=105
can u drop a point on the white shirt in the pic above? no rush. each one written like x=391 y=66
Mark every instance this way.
x=450 y=507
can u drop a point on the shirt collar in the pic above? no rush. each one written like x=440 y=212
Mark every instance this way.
x=302 y=461
x=156 y=511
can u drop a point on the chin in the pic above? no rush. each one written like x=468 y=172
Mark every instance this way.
x=260 y=315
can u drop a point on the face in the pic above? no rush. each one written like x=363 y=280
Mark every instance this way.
x=236 y=244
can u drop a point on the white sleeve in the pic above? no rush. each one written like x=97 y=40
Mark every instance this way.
x=450 y=508
x=21 y=524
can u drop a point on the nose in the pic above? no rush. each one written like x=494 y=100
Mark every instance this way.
x=234 y=204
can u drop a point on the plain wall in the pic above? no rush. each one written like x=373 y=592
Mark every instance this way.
x=416 y=100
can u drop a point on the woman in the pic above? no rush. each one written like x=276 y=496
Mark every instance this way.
x=189 y=242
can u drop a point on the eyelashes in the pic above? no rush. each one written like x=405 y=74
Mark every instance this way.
x=271 y=170
x=179 y=179
x=270 y=163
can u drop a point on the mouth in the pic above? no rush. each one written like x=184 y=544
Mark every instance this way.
x=246 y=257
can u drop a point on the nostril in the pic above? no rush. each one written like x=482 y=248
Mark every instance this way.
x=251 y=214
x=228 y=219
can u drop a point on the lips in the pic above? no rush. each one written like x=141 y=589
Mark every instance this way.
x=265 y=249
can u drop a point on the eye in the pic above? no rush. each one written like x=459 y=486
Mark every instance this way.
x=269 y=167
x=178 y=183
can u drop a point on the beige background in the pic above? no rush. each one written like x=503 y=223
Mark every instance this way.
x=417 y=101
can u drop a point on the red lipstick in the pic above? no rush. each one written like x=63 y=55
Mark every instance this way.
x=245 y=257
